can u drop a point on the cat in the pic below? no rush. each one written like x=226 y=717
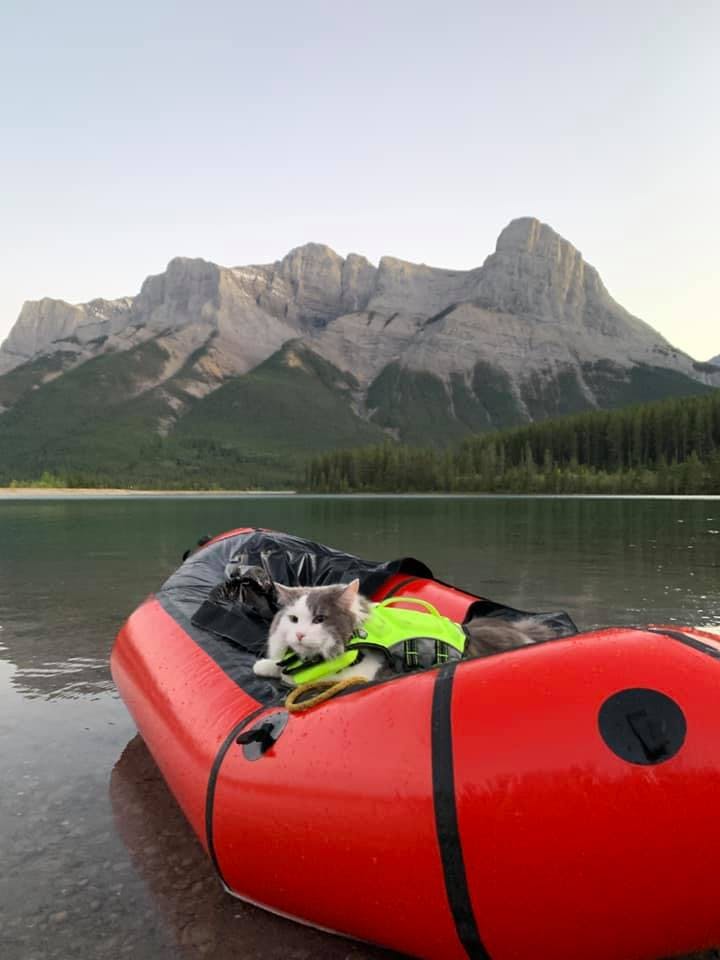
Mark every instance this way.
x=318 y=621
x=315 y=622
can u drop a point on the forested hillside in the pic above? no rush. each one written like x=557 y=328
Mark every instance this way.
x=668 y=447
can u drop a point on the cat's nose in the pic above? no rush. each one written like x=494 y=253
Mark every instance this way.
x=300 y=636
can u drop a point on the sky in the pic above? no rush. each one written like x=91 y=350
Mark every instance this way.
x=134 y=132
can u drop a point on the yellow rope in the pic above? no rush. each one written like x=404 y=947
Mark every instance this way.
x=328 y=688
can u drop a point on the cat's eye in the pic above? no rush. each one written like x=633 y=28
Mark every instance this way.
x=319 y=618
x=292 y=618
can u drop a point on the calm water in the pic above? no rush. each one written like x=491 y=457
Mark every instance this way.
x=96 y=859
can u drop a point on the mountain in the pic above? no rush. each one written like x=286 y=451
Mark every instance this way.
x=230 y=374
x=715 y=361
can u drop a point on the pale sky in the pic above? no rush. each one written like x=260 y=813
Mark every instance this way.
x=137 y=131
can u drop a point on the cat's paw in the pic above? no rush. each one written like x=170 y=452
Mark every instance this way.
x=266 y=668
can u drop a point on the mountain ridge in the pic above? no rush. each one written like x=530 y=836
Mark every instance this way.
x=409 y=351
x=312 y=286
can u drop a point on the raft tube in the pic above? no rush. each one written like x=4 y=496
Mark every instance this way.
x=554 y=801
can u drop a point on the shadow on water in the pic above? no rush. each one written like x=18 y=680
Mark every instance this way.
x=200 y=917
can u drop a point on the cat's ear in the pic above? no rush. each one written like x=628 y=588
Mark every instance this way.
x=284 y=594
x=349 y=594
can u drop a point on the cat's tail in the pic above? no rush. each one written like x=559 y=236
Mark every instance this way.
x=536 y=631
x=486 y=636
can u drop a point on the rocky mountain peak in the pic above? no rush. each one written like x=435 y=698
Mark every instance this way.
x=40 y=323
x=313 y=284
x=313 y=273
x=180 y=295
x=310 y=252
x=529 y=235
x=534 y=306
x=303 y=263
x=48 y=325
x=536 y=273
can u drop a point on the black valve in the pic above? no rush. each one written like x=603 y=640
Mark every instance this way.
x=258 y=739
x=642 y=726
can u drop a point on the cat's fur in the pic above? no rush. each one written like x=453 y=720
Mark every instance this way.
x=318 y=621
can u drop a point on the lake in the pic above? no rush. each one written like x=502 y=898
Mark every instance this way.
x=97 y=860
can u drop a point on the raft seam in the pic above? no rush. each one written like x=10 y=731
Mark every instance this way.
x=212 y=783
x=446 y=817
x=689 y=641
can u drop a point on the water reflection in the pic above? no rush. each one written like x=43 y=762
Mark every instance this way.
x=202 y=919
x=71 y=678
x=57 y=654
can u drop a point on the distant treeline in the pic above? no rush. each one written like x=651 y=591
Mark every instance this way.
x=672 y=446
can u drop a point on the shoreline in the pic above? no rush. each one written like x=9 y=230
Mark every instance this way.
x=125 y=493
x=29 y=493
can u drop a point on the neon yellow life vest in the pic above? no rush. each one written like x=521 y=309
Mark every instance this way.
x=410 y=639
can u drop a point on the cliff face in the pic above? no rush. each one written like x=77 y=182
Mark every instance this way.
x=534 y=324
x=47 y=325
x=534 y=306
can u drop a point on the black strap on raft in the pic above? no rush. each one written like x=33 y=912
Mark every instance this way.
x=212 y=784
x=446 y=816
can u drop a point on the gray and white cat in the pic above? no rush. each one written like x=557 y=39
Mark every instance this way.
x=318 y=622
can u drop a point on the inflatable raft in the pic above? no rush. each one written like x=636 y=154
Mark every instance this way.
x=556 y=801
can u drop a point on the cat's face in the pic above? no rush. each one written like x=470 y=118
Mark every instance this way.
x=316 y=621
